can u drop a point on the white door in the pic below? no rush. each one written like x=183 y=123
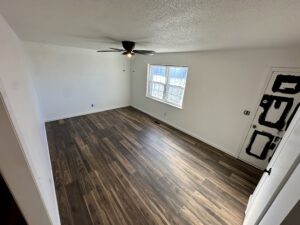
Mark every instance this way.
x=282 y=165
x=274 y=114
x=285 y=204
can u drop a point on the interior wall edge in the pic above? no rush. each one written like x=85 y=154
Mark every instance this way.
x=42 y=120
x=29 y=163
x=26 y=161
x=28 y=156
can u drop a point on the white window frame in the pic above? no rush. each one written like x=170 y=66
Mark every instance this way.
x=166 y=85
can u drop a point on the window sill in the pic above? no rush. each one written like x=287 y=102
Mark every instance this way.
x=164 y=102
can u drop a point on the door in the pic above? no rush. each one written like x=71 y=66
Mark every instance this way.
x=274 y=114
x=282 y=167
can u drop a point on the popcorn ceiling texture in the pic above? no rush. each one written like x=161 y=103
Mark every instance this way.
x=162 y=25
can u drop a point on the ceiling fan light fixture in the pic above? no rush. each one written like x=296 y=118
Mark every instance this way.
x=128 y=50
x=129 y=55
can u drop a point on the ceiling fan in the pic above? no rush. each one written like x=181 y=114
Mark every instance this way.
x=129 y=50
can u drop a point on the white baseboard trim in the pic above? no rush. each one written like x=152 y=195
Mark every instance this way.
x=221 y=148
x=82 y=113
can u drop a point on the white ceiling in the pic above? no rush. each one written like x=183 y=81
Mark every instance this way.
x=161 y=25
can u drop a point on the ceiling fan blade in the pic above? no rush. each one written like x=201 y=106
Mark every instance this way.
x=117 y=49
x=107 y=51
x=144 y=52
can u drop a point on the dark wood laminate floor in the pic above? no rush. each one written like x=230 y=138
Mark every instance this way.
x=119 y=167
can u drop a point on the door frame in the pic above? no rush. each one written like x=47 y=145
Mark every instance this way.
x=268 y=79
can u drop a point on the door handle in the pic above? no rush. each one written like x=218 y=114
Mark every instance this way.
x=268 y=171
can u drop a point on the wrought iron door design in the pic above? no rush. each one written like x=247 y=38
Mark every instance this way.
x=277 y=107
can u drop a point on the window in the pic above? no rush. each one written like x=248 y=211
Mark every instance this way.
x=167 y=84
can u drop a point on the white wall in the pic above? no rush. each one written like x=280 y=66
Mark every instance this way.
x=68 y=80
x=20 y=100
x=220 y=85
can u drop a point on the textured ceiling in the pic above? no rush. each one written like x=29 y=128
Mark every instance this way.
x=161 y=25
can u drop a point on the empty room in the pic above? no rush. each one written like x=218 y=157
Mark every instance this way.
x=162 y=112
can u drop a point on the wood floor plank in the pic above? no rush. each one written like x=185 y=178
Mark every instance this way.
x=122 y=167
x=96 y=212
x=78 y=208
